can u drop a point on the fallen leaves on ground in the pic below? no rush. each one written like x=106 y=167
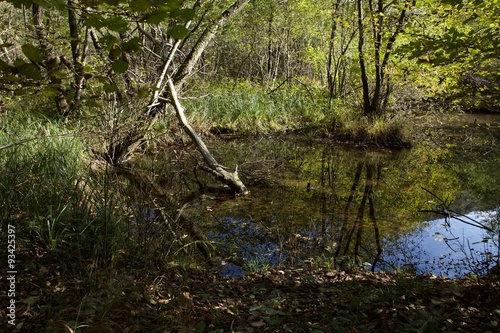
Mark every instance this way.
x=277 y=300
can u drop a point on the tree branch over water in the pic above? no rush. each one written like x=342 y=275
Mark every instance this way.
x=219 y=171
x=444 y=210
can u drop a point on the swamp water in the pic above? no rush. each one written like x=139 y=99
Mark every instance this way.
x=433 y=208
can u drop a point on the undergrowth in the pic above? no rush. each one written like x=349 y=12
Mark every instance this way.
x=69 y=206
x=247 y=109
x=49 y=191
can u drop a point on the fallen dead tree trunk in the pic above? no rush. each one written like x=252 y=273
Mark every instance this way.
x=231 y=179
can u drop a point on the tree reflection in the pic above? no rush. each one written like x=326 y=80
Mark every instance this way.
x=350 y=239
x=322 y=204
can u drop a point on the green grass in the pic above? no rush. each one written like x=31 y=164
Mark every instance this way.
x=39 y=176
x=384 y=131
x=248 y=109
x=49 y=191
x=69 y=205
x=245 y=108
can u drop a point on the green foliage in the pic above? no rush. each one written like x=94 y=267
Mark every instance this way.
x=455 y=48
x=39 y=173
x=32 y=53
x=58 y=72
x=179 y=32
x=120 y=66
x=49 y=191
x=457 y=31
x=273 y=41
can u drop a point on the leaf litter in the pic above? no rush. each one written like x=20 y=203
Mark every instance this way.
x=299 y=299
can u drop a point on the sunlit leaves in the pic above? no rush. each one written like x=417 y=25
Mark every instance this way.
x=458 y=38
x=113 y=24
x=457 y=31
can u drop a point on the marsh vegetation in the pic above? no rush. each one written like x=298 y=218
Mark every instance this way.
x=194 y=166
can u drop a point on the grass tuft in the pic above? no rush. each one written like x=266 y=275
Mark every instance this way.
x=385 y=131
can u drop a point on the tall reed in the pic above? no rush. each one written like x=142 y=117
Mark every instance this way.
x=248 y=108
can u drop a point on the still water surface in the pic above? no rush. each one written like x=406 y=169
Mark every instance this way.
x=317 y=203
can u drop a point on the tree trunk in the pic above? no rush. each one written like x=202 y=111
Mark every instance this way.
x=123 y=150
x=331 y=74
x=206 y=37
x=78 y=55
x=364 y=76
x=230 y=179
x=51 y=61
x=373 y=103
x=379 y=70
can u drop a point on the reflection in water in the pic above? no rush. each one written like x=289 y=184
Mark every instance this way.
x=246 y=243
x=325 y=204
x=446 y=247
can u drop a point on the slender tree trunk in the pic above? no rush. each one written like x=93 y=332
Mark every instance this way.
x=375 y=225
x=78 y=54
x=50 y=62
x=206 y=37
x=364 y=76
x=269 y=45
x=379 y=70
x=350 y=200
x=331 y=76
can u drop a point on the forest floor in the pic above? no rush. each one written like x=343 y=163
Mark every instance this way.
x=52 y=297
